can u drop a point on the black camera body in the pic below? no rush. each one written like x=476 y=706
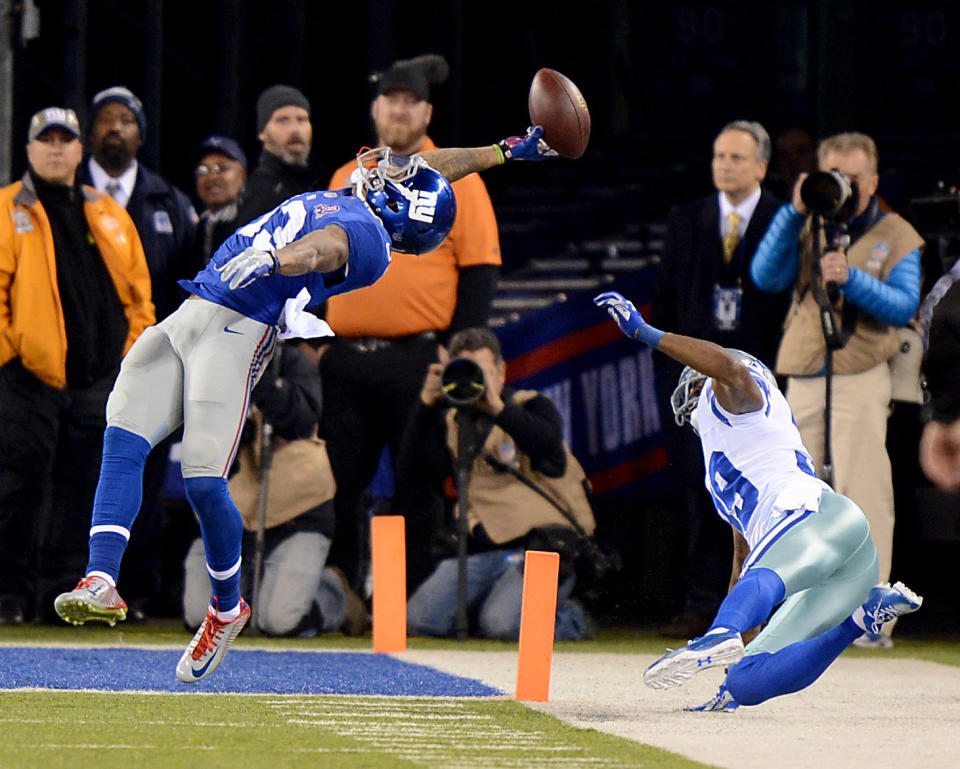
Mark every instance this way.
x=462 y=382
x=831 y=194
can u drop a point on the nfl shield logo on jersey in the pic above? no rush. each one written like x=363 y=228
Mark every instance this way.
x=325 y=208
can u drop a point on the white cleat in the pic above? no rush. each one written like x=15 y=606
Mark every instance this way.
x=92 y=599
x=210 y=645
x=680 y=665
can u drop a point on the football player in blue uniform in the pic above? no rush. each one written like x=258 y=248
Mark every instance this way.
x=198 y=366
x=796 y=541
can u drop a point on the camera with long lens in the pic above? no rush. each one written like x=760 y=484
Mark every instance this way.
x=831 y=194
x=462 y=381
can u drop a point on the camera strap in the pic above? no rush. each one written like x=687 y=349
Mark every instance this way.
x=499 y=466
x=833 y=332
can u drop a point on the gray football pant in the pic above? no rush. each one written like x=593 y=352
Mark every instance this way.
x=828 y=565
x=196 y=368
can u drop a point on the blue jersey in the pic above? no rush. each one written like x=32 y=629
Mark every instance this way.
x=264 y=299
x=758 y=472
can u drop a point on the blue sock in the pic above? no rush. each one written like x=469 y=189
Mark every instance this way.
x=751 y=600
x=761 y=676
x=117 y=500
x=222 y=529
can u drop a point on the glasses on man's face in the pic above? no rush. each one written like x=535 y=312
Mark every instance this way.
x=214 y=168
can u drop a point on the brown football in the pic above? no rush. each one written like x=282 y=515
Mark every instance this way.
x=557 y=104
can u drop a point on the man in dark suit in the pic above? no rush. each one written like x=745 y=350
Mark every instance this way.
x=704 y=290
x=167 y=224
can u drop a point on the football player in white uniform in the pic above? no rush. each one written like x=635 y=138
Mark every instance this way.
x=796 y=541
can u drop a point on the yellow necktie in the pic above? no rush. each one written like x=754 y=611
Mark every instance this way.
x=733 y=236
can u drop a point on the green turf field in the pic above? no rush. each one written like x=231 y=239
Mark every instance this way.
x=88 y=730
x=55 y=730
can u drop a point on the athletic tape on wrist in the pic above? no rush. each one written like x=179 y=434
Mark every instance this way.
x=649 y=335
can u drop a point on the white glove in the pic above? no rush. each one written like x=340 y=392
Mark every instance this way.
x=250 y=264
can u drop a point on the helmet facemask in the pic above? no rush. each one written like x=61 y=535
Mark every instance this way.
x=684 y=399
x=415 y=203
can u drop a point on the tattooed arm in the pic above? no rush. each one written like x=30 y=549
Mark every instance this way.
x=457 y=162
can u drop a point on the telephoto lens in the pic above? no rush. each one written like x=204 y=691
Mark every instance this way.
x=462 y=381
x=826 y=192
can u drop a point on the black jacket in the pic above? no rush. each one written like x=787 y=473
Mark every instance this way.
x=167 y=224
x=272 y=182
x=424 y=459
x=289 y=394
x=692 y=265
x=941 y=364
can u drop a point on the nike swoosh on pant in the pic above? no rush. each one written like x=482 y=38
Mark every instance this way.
x=231 y=331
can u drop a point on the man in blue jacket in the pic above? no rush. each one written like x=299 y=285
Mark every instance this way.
x=872 y=286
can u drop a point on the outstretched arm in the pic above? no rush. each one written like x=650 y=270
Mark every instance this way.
x=733 y=383
x=736 y=390
x=457 y=162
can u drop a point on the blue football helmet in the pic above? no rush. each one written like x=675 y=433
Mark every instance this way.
x=415 y=203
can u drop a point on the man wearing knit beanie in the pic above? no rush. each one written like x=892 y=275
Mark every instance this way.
x=283 y=170
x=429 y=298
x=166 y=223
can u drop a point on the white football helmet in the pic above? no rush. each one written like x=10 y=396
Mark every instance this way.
x=683 y=401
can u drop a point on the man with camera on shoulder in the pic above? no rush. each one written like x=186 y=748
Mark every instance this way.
x=525 y=491
x=840 y=332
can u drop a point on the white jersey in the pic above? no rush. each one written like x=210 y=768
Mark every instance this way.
x=758 y=472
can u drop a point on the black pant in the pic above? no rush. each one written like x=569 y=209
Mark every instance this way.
x=709 y=542
x=369 y=390
x=50 y=446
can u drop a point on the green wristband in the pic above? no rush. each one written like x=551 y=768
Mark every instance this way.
x=503 y=158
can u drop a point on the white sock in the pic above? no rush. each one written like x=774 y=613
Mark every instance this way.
x=719 y=630
x=227 y=616
x=104 y=576
x=857 y=618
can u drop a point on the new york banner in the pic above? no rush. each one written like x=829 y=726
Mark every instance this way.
x=602 y=383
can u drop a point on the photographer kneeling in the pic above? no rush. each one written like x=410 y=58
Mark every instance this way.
x=520 y=478
x=298 y=594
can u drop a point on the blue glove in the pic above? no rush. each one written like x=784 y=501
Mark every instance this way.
x=629 y=319
x=527 y=147
x=250 y=264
